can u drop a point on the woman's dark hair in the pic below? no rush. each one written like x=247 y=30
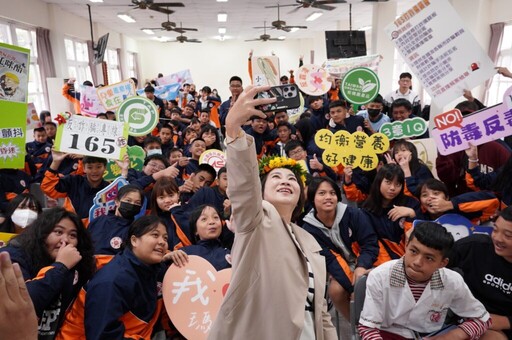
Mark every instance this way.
x=314 y=184
x=125 y=190
x=302 y=199
x=33 y=241
x=306 y=129
x=140 y=227
x=194 y=216
x=415 y=162
x=433 y=235
x=31 y=202
x=390 y=172
x=210 y=128
x=432 y=184
x=164 y=185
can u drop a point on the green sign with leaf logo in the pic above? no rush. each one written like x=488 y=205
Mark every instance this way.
x=140 y=113
x=360 y=86
x=136 y=155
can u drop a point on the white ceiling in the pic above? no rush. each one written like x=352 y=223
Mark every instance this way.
x=243 y=15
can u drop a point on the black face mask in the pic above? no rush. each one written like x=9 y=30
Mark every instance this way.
x=129 y=210
x=373 y=112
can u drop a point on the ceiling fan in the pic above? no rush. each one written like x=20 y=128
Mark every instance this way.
x=161 y=7
x=181 y=38
x=171 y=26
x=320 y=4
x=265 y=36
x=280 y=24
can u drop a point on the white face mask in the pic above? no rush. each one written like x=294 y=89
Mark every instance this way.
x=23 y=217
x=154 y=152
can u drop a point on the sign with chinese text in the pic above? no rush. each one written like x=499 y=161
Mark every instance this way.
x=111 y=96
x=179 y=77
x=193 y=295
x=32 y=117
x=313 y=80
x=90 y=104
x=92 y=137
x=356 y=150
x=360 y=86
x=5 y=238
x=453 y=133
x=167 y=92
x=136 y=155
x=410 y=127
x=104 y=201
x=432 y=39
x=265 y=70
x=14 y=75
x=216 y=158
x=140 y=113
x=337 y=68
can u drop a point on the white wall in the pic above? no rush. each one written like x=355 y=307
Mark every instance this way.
x=212 y=63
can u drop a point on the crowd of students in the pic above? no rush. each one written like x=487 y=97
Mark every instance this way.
x=99 y=279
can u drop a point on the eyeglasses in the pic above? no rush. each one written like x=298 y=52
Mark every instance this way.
x=295 y=152
x=156 y=166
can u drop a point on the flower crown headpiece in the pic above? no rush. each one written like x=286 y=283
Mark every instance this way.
x=269 y=163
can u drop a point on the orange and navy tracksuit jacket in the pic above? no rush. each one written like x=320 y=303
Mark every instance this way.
x=213 y=104
x=12 y=183
x=107 y=234
x=78 y=194
x=52 y=289
x=359 y=187
x=38 y=152
x=391 y=234
x=177 y=224
x=411 y=183
x=68 y=91
x=478 y=207
x=356 y=234
x=121 y=301
x=477 y=180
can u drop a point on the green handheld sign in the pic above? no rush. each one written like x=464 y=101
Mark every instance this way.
x=360 y=86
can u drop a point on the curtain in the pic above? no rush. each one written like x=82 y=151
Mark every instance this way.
x=45 y=60
x=120 y=61
x=92 y=65
x=494 y=48
x=137 y=69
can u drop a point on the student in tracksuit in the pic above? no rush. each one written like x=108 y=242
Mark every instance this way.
x=206 y=225
x=165 y=203
x=78 y=191
x=348 y=242
x=122 y=300
x=55 y=255
x=389 y=211
x=109 y=231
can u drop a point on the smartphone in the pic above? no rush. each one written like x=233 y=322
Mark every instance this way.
x=287 y=98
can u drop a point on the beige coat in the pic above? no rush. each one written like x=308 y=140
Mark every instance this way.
x=267 y=294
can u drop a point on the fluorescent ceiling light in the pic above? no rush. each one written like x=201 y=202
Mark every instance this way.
x=294 y=29
x=222 y=17
x=96 y=0
x=365 y=28
x=222 y=0
x=222 y=30
x=313 y=16
x=148 y=31
x=281 y=37
x=161 y=39
x=126 y=17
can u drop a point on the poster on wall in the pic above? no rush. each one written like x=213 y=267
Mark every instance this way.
x=14 y=66
x=433 y=40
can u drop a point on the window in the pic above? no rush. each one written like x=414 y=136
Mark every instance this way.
x=77 y=55
x=132 y=65
x=499 y=83
x=19 y=35
x=114 y=72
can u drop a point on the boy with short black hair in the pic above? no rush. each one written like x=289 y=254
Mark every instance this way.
x=203 y=176
x=39 y=149
x=409 y=298
x=79 y=191
x=166 y=138
x=152 y=146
